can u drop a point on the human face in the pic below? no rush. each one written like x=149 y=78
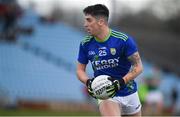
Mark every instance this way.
x=92 y=25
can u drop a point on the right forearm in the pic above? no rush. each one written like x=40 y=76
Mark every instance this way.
x=82 y=76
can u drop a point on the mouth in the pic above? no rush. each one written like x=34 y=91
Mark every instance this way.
x=88 y=30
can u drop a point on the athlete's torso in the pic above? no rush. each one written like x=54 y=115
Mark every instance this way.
x=110 y=57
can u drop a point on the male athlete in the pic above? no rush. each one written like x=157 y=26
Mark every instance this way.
x=111 y=53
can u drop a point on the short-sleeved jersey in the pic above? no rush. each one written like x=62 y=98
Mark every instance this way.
x=110 y=57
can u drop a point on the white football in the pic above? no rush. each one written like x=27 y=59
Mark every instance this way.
x=99 y=85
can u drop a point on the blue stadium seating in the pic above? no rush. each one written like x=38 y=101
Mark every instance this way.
x=27 y=75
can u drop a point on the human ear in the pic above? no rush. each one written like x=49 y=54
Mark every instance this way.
x=101 y=21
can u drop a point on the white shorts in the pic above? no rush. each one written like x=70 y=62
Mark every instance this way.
x=129 y=104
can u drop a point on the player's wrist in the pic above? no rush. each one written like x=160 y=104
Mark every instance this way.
x=122 y=83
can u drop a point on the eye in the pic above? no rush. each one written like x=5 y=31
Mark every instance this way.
x=88 y=19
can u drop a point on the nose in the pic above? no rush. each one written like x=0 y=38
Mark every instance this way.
x=85 y=24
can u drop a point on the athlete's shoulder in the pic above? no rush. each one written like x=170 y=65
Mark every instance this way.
x=119 y=35
x=87 y=39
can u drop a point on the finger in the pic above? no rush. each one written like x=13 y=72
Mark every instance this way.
x=90 y=90
x=111 y=88
x=112 y=95
x=111 y=91
x=116 y=83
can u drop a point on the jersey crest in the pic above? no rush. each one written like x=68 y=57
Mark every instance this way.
x=113 y=51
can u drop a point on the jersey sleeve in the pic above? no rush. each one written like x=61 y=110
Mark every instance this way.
x=130 y=47
x=82 y=56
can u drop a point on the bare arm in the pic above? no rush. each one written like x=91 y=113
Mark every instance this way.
x=81 y=73
x=137 y=67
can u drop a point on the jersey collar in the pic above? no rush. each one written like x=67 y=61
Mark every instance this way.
x=105 y=39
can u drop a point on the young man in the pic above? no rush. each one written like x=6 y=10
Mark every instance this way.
x=110 y=53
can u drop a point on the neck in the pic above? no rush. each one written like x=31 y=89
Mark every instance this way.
x=103 y=33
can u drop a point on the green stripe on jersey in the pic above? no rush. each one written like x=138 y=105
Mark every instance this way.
x=86 y=39
x=119 y=35
x=116 y=32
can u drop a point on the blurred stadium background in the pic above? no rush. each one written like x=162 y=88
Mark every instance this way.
x=39 y=41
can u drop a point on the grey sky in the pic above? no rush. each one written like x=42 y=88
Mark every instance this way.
x=45 y=7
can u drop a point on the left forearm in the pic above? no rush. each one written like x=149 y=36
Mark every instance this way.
x=137 y=67
x=133 y=73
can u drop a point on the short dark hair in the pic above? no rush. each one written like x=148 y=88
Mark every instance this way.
x=97 y=10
